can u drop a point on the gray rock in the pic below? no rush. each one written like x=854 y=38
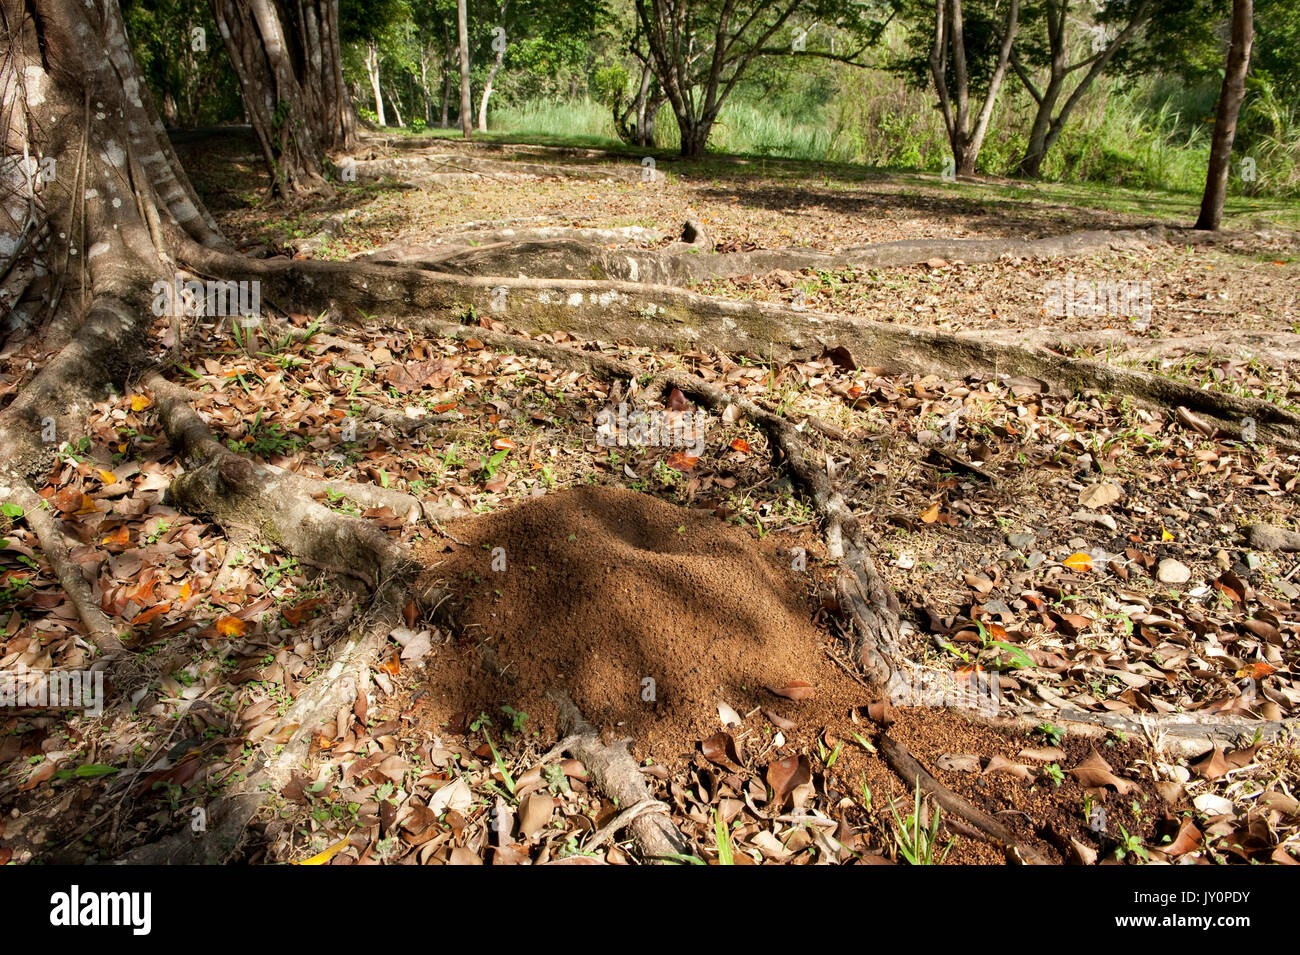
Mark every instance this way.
x=1170 y=571
x=1266 y=537
x=1020 y=541
x=1101 y=520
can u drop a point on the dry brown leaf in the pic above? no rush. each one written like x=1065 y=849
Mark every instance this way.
x=1094 y=773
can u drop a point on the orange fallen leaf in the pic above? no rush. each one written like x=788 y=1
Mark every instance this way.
x=1081 y=562
x=231 y=627
x=149 y=614
x=295 y=615
x=1256 y=671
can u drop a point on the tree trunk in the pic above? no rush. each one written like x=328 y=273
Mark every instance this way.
x=1047 y=128
x=954 y=103
x=498 y=47
x=462 y=33
x=321 y=57
x=694 y=134
x=424 y=86
x=291 y=103
x=121 y=215
x=1225 y=122
x=372 y=71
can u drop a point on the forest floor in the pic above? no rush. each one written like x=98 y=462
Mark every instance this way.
x=1082 y=552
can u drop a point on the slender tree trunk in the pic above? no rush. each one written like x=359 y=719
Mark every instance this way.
x=462 y=33
x=372 y=71
x=1048 y=124
x=499 y=48
x=1225 y=122
x=424 y=87
x=954 y=103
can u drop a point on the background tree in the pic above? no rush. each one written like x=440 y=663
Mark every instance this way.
x=1225 y=122
x=700 y=49
x=181 y=56
x=462 y=49
x=1048 y=42
x=375 y=28
x=950 y=70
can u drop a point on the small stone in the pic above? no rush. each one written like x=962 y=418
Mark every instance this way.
x=1020 y=541
x=1266 y=537
x=1101 y=520
x=1171 y=571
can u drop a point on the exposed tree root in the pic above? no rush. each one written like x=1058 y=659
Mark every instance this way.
x=1180 y=734
x=450 y=245
x=446 y=167
x=665 y=317
x=347 y=676
x=271 y=502
x=1272 y=348
x=914 y=774
x=100 y=629
x=575 y=256
x=616 y=773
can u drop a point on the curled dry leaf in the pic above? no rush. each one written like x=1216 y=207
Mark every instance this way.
x=1210 y=765
x=720 y=749
x=728 y=715
x=535 y=813
x=1081 y=854
x=1094 y=773
x=794 y=690
x=880 y=712
x=1188 y=839
x=785 y=775
x=1044 y=754
x=779 y=721
x=999 y=764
